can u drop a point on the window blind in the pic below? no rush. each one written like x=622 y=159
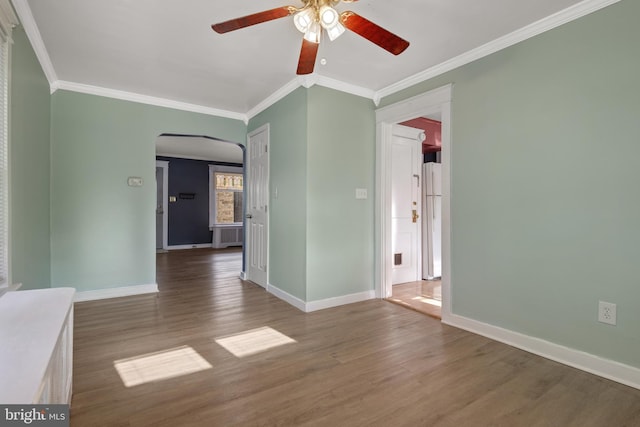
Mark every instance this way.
x=4 y=175
x=7 y=21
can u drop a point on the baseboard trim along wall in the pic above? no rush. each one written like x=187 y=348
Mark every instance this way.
x=286 y=297
x=308 y=307
x=123 y=291
x=606 y=368
x=193 y=246
x=341 y=300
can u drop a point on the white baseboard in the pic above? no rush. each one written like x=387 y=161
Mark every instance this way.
x=194 y=246
x=341 y=300
x=286 y=297
x=308 y=307
x=606 y=368
x=123 y=291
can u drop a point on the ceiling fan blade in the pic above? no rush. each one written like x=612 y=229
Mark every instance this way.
x=256 y=18
x=373 y=32
x=308 y=54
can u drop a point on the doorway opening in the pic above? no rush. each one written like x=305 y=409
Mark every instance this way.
x=162 y=217
x=200 y=199
x=435 y=103
x=417 y=214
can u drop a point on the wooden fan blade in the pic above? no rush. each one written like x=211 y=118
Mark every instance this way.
x=256 y=18
x=308 y=54
x=373 y=32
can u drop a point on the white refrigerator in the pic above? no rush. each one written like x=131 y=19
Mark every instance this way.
x=431 y=221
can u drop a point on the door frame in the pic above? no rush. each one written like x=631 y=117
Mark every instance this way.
x=434 y=101
x=416 y=136
x=165 y=201
x=248 y=237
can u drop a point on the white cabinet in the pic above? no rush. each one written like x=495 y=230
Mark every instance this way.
x=36 y=346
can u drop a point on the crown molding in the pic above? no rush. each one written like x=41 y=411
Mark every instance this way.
x=550 y=22
x=145 y=99
x=33 y=33
x=308 y=81
x=345 y=87
x=564 y=16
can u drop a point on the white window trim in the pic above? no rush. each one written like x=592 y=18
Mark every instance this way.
x=212 y=200
x=8 y=20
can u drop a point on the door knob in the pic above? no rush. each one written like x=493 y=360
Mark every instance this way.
x=415 y=215
x=248 y=216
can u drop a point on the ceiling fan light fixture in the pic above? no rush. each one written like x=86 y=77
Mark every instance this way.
x=335 y=31
x=313 y=32
x=329 y=17
x=303 y=19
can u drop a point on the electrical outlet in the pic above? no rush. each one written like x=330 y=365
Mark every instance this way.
x=607 y=312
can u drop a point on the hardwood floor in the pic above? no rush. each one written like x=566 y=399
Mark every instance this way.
x=366 y=364
x=424 y=296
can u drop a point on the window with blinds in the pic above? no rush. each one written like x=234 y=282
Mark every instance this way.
x=4 y=173
x=7 y=21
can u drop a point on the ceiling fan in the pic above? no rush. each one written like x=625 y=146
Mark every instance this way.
x=311 y=19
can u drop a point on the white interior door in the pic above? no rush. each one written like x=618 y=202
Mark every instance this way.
x=406 y=205
x=257 y=221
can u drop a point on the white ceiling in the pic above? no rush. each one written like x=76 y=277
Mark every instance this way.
x=168 y=50
x=200 y=148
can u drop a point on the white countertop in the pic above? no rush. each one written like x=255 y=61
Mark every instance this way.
x=30 y=324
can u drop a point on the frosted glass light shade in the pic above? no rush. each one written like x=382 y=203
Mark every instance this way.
x=313 y=32
x=335 y=31
x=329 y=17
x=303 y=19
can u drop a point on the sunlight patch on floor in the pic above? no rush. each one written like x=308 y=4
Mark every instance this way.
x=430 y=301
x=160 y=365
x=254 y=341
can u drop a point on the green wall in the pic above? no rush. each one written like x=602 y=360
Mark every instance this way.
x=102 y=231
x=29 y=157
x=322 y=149
x=545 y=205
x=340 y=158
x=288 y=174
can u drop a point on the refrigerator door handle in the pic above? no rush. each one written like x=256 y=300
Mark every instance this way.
x=433 y=185
x=433 y=206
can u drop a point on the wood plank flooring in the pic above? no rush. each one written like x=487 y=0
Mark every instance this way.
x=367 y=364
x=424 y=296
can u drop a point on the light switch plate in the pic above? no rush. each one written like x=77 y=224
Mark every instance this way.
x=135 y=181
x=361 y=193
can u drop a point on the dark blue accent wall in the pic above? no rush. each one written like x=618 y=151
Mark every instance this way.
x=189 y=218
